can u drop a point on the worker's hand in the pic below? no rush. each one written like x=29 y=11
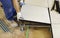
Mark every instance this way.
x=19 y=16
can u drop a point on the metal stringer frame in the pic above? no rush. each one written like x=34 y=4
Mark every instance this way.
x=4 y=26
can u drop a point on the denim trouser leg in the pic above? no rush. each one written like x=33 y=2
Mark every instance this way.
x=8 y=9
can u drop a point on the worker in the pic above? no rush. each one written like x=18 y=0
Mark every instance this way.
x=11 y=9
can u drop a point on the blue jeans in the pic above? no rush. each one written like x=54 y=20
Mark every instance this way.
x=9 y=10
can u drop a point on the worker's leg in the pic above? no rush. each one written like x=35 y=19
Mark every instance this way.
x=8 y=9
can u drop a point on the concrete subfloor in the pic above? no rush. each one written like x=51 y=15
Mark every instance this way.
x=33 y=33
